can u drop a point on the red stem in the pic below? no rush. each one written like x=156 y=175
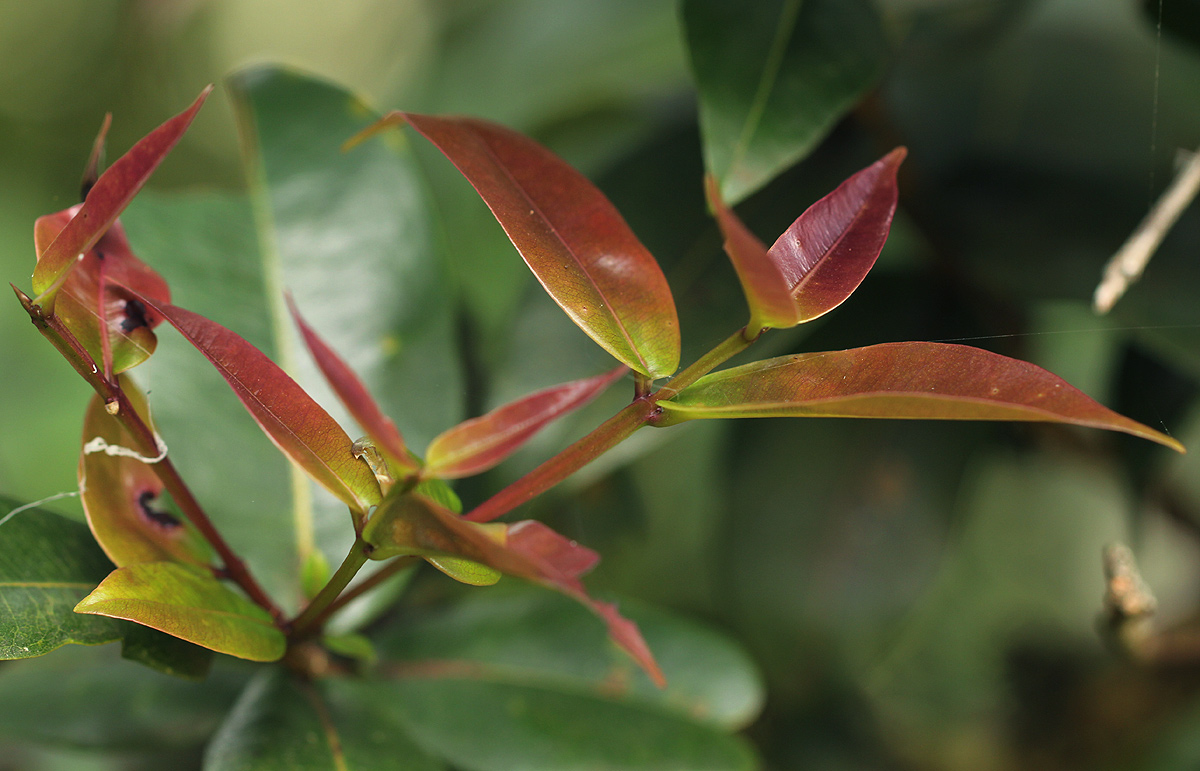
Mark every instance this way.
x=611 y=432
x=67 y=344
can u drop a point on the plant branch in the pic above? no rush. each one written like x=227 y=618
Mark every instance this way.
x=608 y=434
x=314 y=615
x=730 y=347
x=69 y=346
x=367 y=584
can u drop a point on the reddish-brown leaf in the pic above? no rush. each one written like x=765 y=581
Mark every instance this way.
x=763 y=284
x=294 y=422
x=476 y=445
x=569 y=234
x=822 y=258
x=899 y=380
x=108 y=269
x=830 y=248
x=112 y=192
x=352 y=393
x=413 y=524
x=123 y=497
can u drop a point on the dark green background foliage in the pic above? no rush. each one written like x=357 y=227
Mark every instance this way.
x=916 y=595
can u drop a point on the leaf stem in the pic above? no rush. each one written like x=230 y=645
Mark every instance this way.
x=69 y=346
x=608 y=434
x=731 y=346
x=314 y=615
x=367 y=584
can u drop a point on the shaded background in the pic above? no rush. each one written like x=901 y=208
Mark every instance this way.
x=918 y=595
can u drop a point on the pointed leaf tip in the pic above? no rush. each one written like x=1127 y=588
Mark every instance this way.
x=112 y=192
x=830 y=248
x=477 y=445
x=914 y=380
x=352 y=393
x=414 y=524
x=822 y=257
x=569 y=234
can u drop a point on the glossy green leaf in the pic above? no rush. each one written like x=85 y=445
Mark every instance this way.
x=189 y=603
x=412 y=524
x=126 y=504
x=350 y=236
x=282 y=724
x=112 y=192
x=932 y=381
x=92 y=297
x=466 y=571
x=289 y=416
x=522 y=635
x=478 y=444
x=774 y=77
x=482 y=725
x=47 y=565
x=88 y=697
x=206 y=243
x=165 y=653
x=569 y=234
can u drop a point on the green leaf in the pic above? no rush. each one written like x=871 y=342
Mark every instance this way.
x=189 y=603
x=162 y=652
x=281 y=723
x=348 y=235
x=569 y=234
x=47 y=565
x=774 y=77
x=112 y=192
x=206 y=244
x=518 y=634
x=125 y=502
x=91 y=698
x=930 y=381
x=484 y=725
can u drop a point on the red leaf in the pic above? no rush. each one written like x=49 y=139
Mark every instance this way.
x=352 y=393
x=569 y=234
x=112 y=192
x=106 y=269
x=476 y=445
x=123 y=497
x=763 y=284
x=830 y=248
x=899 y=380
x=413 y=524
x=294 y=422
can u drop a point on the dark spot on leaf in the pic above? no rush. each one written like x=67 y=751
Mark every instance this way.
x=135 y=316
x=148 y=503
x=99 y=254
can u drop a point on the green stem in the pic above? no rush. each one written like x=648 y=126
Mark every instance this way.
x=608 y=434
x=367 y=584
x=731 y=346
x=311 y=618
